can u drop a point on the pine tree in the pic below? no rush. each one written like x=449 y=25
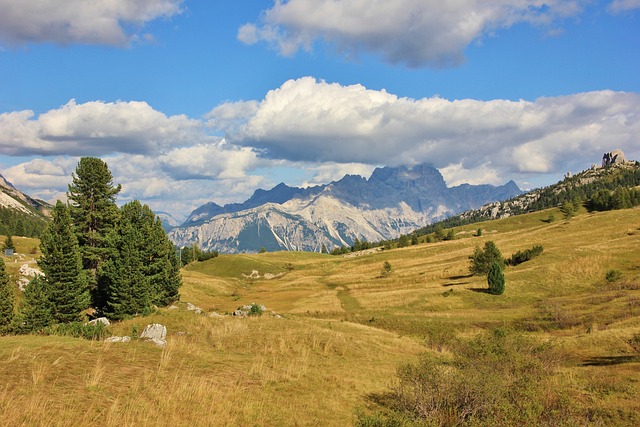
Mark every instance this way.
x=143 y=269
x=127 y=287
x=36 y=309
x=61 y=263
x=7 y=297
x=162 y=269
x=8 y=243
x=94 y=212
x=495 y=279
x=482 y=259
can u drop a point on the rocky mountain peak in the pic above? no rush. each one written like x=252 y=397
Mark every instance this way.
x=612 y=158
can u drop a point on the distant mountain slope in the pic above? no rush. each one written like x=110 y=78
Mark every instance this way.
x=20 y=214
x=581 y=187
x=391 y=202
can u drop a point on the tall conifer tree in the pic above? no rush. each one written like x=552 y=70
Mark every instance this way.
x=143 y=268
x=61 y=263
x=92 y=197
x=36 y=310
x=7 y=297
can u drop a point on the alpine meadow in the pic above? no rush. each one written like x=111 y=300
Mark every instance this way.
x=367 y=213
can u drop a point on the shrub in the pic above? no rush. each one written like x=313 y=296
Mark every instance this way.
x=495 y=279
x=97 y=331
x=500 y=378
x=613 y=276
x=386 y=269
x=526 y=255
x=255 y=310
x=482 y=259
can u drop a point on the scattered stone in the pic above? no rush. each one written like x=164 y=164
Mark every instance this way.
x=118 y=339
x=214 y=314
x=181 y=333
x=25 y=270
x=255 y=274
x=102 y=320
x=193 y=308
x=172 y=307
x=156 y=333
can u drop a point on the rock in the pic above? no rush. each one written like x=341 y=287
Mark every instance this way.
x=172 y=307
x=612 y=158
x=156 y=333
x=192 y=307
x=25 y=270
x=118 y=339
x=214 y=314
x=102 y=320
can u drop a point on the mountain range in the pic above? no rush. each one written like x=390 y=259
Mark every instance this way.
x=392 y=201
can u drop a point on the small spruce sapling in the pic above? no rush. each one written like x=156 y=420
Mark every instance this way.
x=495 y=279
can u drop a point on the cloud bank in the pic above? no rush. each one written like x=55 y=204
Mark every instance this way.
x=309 y=132
x=411 y=32
x=313 y=121
x=79 y=21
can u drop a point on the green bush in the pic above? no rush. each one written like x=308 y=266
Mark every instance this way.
x=255 y=310
x=524 y=256
x=499 y=378
x=97 y=331
x=613 y=276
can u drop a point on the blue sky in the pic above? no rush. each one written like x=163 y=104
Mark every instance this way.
x=194 y=101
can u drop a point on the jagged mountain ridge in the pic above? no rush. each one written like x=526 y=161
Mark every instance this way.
x=391 y=202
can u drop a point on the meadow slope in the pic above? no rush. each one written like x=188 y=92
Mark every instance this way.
x=336 y=329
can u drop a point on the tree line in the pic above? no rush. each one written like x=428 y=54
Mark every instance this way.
x=96 y=258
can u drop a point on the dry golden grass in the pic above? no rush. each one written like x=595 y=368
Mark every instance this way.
x=344 y=330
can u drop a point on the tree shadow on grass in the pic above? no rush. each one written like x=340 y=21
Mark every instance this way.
x=480 y=290
x=610 y=360
x=462 y=276
x=446 y=285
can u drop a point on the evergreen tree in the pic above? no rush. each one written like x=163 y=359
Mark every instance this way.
x=7 y=298
x=495 y=279
x=36 y=310
x=403 y=241
x=8 y=243
x=94 y=212
x=61 y=263
x=323 y=249
x=482 y=259
x=163 y=269
x=143 y=268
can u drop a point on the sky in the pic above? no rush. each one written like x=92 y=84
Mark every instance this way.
x=191 y=101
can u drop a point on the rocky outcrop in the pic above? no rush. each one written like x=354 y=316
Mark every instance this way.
x=613 y=158
x=156 y=333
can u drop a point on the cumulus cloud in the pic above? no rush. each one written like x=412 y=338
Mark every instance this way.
x=306 y=120
x=79 y=21
x=412 y=32
x=96 y=128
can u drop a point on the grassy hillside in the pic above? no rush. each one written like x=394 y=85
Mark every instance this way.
x=344 y=328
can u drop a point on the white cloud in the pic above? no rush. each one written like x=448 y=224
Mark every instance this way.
x=313 y=121
x=412 y=32
x=618 y=6
x=96 y=128
x=79 y=21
